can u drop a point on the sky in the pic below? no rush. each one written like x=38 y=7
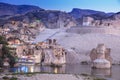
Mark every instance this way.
x=68 y=5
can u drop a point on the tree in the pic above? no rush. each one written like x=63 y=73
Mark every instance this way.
x=6 y=53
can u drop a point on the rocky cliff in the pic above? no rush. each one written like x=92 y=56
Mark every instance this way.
x=51 y=19
x=28 y=13
x=113 y=20
x=80 y=14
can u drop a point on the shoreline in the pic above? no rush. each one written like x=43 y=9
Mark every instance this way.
x=48 y=76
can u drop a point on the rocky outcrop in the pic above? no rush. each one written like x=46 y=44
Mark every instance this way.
x=79 y=13
x=96 y=20
x=96 y=16
x=51 y=19
x=112 y=21
x=100 y=57
x=51 y=53
x=28 y=13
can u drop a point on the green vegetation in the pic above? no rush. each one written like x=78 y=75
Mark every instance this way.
x=90 y=77
x=3 y=40
x=7 y=78
x=13 y=78
x=5 y=52
x=99 y=79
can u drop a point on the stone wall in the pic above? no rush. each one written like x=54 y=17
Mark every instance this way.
x=85 y=30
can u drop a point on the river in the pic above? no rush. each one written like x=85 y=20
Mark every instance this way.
x=109 y=74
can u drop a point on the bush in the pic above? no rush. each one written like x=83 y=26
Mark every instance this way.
x=5 y=78
x=13 y=78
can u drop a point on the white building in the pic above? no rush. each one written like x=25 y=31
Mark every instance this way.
x=87 y=21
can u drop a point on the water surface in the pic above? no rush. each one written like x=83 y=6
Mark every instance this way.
x=109 y=74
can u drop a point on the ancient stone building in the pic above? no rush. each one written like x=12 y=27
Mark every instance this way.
x=13 y=40
x=52 y=53
x=46 y=53
x=100 y=57
x=87 y=21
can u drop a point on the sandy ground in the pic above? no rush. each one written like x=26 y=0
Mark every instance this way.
x=80 y=45
x=50 y=77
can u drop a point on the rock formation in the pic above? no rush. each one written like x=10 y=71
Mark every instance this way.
x=79 y=13
x=96 y=16
x=52 y=53
x=100 y=57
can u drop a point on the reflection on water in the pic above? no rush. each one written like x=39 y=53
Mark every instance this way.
x=110 y=74
x=101 y=72
x=21 y=69
x=37 y=68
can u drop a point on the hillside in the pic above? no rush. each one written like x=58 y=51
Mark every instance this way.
x=111 y=21
x=79 y=13
x=51 y=19
x=10 y=10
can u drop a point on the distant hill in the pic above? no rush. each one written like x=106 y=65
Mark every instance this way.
x=9 y=9
x=116 y=16
x=79 y=13
x=54 y=18
x=28 y=13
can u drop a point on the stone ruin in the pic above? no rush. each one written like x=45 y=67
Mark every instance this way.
x=100 y=57
x=50 y=53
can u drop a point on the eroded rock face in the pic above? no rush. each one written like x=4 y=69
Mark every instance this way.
x=100 y=57
x=52 y=53
x=54 y=19
x=49 y=18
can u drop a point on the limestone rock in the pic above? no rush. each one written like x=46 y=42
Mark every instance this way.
x=100 y=57
x=54 y=54
x=101 y=63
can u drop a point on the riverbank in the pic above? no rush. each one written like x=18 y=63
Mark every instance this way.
x=109 y=74
x=34 y=76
